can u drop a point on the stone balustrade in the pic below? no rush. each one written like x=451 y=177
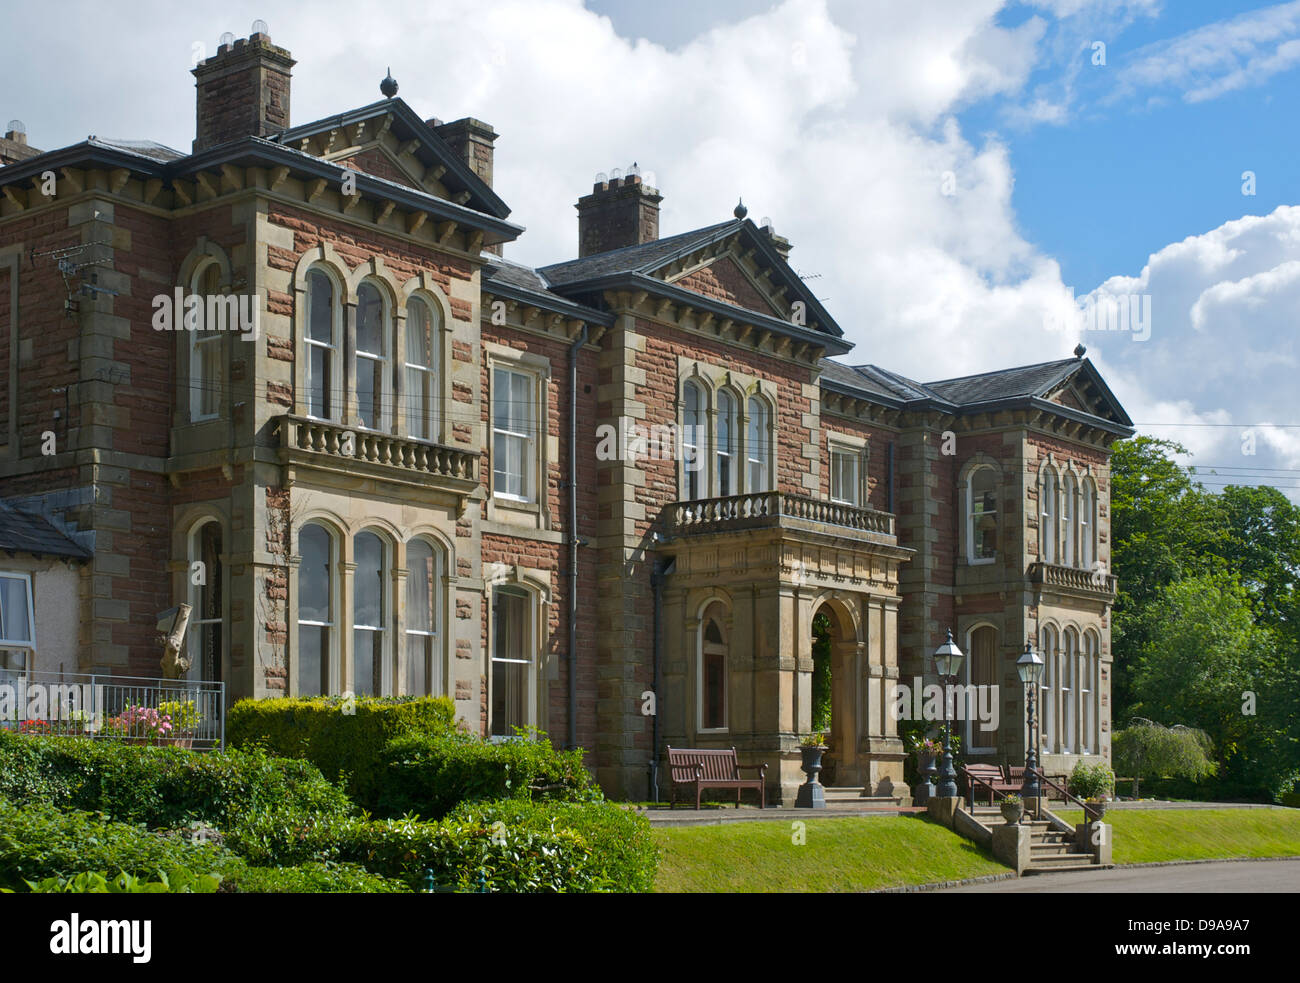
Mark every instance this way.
x=405 y=453
x=767 y=508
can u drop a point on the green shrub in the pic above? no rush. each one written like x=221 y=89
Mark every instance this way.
x=623 y=847
x=311 y=878
x=430 y=776
x=458 y=853
x=176 y=881
x=157 y=786
x=1091 y=781
x=345 y=739
x=39 y=842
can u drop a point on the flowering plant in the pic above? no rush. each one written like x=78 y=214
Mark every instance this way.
x=140 y=721
x=183 y=714
x=922 y=746
x=35 y=727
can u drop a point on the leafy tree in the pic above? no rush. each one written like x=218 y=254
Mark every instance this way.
x=821 y=681
x=1145 y=749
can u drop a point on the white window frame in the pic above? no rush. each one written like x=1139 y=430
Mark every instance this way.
x=759 y=457
x=528 y=438
x=25 y=644
x=437 y=665
x=1049 y=518
x=705 y=618
x=1047 y=718
x=1069 y=520
x=971 y=558
x=532 y=653
x=732 y=451
x=335 y=394
x=1088 y=694
x=385 y=613
x=194 y=596
x=333 y=592
x=380 y=362
x=842 y=450
x=429 y=376
x=198 y=342
x=696 y=444
x=1068 y=688
x=1087 y=522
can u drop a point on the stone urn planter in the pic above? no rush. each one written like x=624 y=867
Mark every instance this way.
x=811 y=794
x=1012 y=811
x=1095 y=811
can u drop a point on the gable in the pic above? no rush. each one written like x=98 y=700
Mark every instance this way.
x=1068 y=397
x=724 y=280
x=378 y=163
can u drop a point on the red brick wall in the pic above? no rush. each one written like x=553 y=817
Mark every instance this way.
x=379 y=164
x=722 y=280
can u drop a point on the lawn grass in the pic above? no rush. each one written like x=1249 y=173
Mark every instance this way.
x=1148 y=835
x=859 y=854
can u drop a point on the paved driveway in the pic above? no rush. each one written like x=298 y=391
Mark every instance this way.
x=1228 y=877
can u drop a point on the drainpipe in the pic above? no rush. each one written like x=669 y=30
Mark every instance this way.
x=663 y=566
x=573 y=537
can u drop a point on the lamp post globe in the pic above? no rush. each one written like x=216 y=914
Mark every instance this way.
x=947 y=663
x=1030 y=668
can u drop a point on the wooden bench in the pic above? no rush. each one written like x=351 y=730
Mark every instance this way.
x=706 y=768
x=989 y=778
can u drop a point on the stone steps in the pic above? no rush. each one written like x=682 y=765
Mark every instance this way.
x=1050 y=849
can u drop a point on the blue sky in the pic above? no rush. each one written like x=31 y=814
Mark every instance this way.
x=958 y=173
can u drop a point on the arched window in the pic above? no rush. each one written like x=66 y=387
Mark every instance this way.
x=205 y=346
x=512 y=661
x=1047 y=525
x=205 y=640
x=373 y=398
x=1088 y=743
x=422 y=360
x=758 y=446
x=981 y=672
x=423 y=651
x=315 y=610
x=324 y=388
x=369 y=616
x=725 y=443
x=713 y=670
x=693 y=437
x=1069 y=513
x=1069 y=695
x=1047 y=691
x=982 y=515
x=1087 y=523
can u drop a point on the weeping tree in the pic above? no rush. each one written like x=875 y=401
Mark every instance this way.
x=821 y=680
x=1146 y=749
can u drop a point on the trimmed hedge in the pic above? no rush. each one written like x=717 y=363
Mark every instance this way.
x=344 y=739
x=464 y=854
x=311 y=878
x=158 y=786
x=623 y=846
x=39 y=842
x=430 y=776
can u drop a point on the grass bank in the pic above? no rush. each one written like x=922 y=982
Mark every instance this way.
x=859 y=854
x=1149 y=835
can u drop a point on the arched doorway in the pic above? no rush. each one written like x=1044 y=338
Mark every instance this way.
x=835 y=698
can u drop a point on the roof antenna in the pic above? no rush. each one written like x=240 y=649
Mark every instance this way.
x=389 y=85
x=1080 y=350
x=740 y=211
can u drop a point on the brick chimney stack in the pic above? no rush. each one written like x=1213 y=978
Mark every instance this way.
x=243 y=90
x=619 y=212
x=13 y=145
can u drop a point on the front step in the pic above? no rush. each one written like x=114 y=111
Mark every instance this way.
x=1061 y=868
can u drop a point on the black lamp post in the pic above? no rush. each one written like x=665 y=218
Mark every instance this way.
x=1030 y=667
x=947 y=661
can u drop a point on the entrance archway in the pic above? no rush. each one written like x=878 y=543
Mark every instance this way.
x=835 y=690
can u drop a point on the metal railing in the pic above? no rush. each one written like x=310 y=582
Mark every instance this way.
x=99 y=706
x=765 y=508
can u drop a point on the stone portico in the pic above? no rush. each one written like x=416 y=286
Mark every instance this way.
x=748 y=575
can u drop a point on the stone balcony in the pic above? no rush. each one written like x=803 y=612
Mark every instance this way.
x=1073 y=581
x=353 y=453
x=770 y=509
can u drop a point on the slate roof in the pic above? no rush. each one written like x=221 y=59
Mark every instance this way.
x=1026 y=380
x=508 y=277
x=27 y=532
x=640 y=258
x=145 y=148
